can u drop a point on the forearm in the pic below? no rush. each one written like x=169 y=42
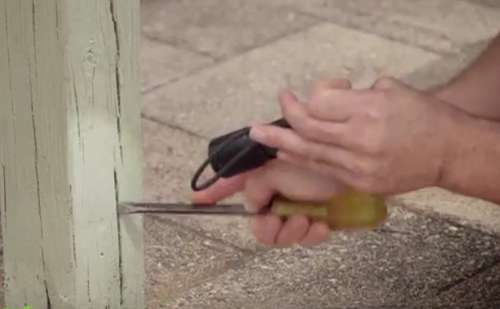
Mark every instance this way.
x=473 y=164
x=477 y=89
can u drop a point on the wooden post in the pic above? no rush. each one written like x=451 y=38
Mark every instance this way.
x=70 y=149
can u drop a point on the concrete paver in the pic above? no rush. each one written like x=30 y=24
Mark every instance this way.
x=161 y=63
x=487 y=3
x=480 y=291
x=445 y=68
x=441 y=25
x=403 y=265
x=177 y=260
x=244 y=89
x=473 y=212
x=219 y=28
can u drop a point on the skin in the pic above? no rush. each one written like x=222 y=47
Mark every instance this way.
x=388 y=139
x=476 y=89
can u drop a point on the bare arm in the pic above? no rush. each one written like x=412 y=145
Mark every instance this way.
x=477 y=89
x=473 y=162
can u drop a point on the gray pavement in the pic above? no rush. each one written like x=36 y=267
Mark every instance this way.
x=216 y=65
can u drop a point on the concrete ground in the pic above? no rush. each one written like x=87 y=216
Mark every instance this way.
x=210 y=66
x=215 y=65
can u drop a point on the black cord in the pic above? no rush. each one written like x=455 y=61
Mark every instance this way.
x=194 y=182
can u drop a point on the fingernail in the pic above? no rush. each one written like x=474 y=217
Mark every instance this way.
x=257 y=133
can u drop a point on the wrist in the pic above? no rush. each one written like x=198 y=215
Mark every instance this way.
x=469 y=150
x=446 y=93
x=458 y=138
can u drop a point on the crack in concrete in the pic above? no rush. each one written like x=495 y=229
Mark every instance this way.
x=202 y=235
x=177 y=46
x=469 y=276
x=443 y=217
x=174 y=127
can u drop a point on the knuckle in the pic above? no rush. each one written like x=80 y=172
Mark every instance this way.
x=374 y=112
x=385 y=82
x=316 y=104
x=368 y=184
x=371 y=168
x=309 y=128
x=276 y=140
x=373 y=145
x=303 y=149
x=355 y=167
x=313 y=153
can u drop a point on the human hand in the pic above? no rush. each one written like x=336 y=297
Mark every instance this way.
x=289 y=180
x=261 y=185
x=386 y=140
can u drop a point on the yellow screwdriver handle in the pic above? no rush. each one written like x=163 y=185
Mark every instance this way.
x=346 y=211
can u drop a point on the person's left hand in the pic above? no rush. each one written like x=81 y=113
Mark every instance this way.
x=388 y=139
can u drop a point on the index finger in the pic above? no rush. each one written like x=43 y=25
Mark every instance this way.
x=327 y=84
x=337 y=104
x=223 y=188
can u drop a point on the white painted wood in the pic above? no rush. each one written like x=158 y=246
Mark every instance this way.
x=70 y=148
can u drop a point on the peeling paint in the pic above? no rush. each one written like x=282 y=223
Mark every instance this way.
x=73 y=98
x=75 y=259
x=120 y=263
x=35 y=157
x=4 y=175
x=49 y=303
x=77 y=111
x=117 y=75
x=115 y=184
x=92 y=84
x=88 y=285
x=9 y=60
x=58 y=19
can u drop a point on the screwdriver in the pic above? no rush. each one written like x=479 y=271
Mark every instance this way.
x=235 y=153
x=345 y=211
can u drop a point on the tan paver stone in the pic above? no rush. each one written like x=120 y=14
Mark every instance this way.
x=219 y=28
x=161 y=63
x=244 y=89
x=442 y=25
x=404 y=265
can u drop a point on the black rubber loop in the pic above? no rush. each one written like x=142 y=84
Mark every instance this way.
x=194 y=182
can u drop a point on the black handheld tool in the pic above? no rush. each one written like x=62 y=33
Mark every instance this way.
x=234 y=153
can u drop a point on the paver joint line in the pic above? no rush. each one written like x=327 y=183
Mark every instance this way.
x=173 y=127
x=222 y=60
x=384 y=36
x=177 y=46
x=467 y=277
x=199 y=234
